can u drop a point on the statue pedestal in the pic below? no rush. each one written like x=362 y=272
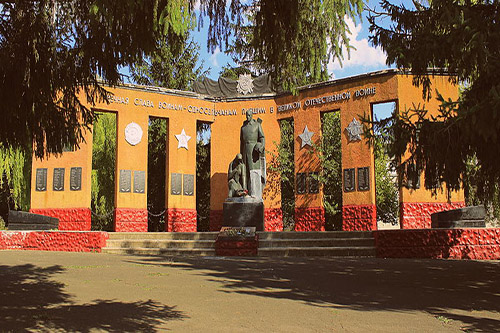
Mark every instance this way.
x=244 y=212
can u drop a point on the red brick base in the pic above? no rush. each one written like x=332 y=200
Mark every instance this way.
x=359 y=217
x=417 y=215
x=131 y=220
x=273 y=219
x=180 y=220
x=77 y=219
x=247 y=247
x=91 y=241
x=310 y=219
x=480 y=243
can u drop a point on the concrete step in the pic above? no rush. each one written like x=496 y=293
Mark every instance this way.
x=314 y=235
x=160 y=243
x=361 y=251
x=164 y=235
x=332 y=242
x=162 y=252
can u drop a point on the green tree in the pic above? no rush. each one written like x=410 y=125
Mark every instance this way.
x=51 y=51
x=173 y=64
x=203 y=175
x=157 y=159
x=450 y=36
x=293 y=40
x=330 y=154
x=103 y=171
x=15 y=171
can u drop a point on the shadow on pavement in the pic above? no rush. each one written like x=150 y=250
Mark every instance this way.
x=31 y=299
x=433 y=286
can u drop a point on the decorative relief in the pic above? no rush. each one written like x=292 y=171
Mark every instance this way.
x=58 y=180
x=75 y=179
x=245 y=84
x=133 y=134
x=364 y=179
x=139 y=181
x=125 y=181
x=176 y=187
x=354 y=130
x=41 y=179
x=306 y=137
x=349 y=180
x=188 y=185
x=183 y=140
x=301 y=180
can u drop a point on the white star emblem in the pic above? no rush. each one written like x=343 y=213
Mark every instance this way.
x=306 y=137
x=354 y=130
x=183 y=140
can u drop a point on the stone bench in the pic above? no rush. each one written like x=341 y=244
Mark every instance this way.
x=28 y=221
x=466 y=217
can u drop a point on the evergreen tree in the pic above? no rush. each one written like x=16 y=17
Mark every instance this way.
x=450 y=36
x=293 y=40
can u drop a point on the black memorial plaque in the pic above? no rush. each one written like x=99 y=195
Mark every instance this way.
x=301 y=180
x=41 y=179
x=364 y=179
x=313 y=182
x=75 y=179
x=58 y=180
x=188 y=187
x=349 y=180
x=176 y=184
x=139 y=181
x=125 y=181
x=411 y=174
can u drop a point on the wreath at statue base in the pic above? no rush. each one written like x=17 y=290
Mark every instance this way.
x=237 y=241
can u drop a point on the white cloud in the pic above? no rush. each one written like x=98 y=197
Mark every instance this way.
x=213 y=57
x=364 y=55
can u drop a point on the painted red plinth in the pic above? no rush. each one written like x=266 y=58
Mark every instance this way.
x=469 y=243
x=216 y=218
x=273 y=219
x=236 y=247
x=180 y=220
x=131 y=220
x=359 y=217
x=74 y=219
x=310 y=219
x=69 y=241
x=417 y=215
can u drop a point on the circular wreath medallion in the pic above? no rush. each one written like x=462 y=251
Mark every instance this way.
x=133 y=133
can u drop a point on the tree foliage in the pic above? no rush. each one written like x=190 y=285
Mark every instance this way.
x=282 y=163
x=103 y=171
x=451 y=36
x=293 y=40
x=157 y=159
x=173 y=64
x=51 y=51
x=330 y=155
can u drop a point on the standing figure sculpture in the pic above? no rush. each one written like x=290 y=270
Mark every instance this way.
x=252 y=144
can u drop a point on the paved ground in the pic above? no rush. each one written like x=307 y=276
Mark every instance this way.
x=55 y=291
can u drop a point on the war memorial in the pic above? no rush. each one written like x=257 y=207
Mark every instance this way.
x=244 y=118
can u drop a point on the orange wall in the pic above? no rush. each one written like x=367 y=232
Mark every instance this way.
x=409 y=96
x=190 y=108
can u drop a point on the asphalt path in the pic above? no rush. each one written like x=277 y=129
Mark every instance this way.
x=92 y=292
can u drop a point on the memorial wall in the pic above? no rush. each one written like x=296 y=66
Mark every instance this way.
x=61 y=186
